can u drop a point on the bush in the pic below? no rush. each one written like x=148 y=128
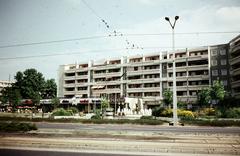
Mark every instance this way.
x=219 y=123
x=74 y=110
x=157 y=111
x=61 y=112
x=146 y=117
x=96 y=117
x=233 y=113
x=185 y=114
x=16 y=126
x=167 y=113
x=207 y=112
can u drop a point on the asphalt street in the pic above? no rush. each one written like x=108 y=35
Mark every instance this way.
x=140 y=128
x=16 y=152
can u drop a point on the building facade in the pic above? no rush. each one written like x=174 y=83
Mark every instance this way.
x=4 y=84
x=147 y=76
x=234 y=58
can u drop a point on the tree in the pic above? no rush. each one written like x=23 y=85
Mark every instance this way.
x=217 y=91
x=49 y=89
x=104 y=105
x=168 y=97
x=30 y=84
x=12 y=96
x=204 y=97
x=55 y=102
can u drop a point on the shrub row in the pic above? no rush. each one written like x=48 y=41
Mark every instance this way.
x=218 y=123
x=143 y=121
x=16 y=127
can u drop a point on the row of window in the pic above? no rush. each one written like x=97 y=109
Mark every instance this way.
x=222 y=61
x=214 y=52
x=222 y=71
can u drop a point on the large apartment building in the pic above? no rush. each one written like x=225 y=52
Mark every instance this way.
x=147 y=76
x=234 y=57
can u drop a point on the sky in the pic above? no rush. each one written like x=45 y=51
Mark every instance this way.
x=81 y=34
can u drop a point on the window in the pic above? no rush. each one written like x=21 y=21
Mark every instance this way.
x=225 y=83
x=223 y=71
x=215 y=72
x=214 y=62
x=214 y=52
x=223 y=52
x=223 y=61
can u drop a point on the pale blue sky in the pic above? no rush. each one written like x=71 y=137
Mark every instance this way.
x=29 y=21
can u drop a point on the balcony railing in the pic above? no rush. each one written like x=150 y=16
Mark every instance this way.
x=198 y=67
x=143 y=89
x=82 y=77
x=69 y=77
x=235 y=60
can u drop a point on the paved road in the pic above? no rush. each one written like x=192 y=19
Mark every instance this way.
x=140 y=128
x=16 y=152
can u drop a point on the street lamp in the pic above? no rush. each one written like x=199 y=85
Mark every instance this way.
x=175 y=116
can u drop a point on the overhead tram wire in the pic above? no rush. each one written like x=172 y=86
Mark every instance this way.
x=76 y=53
x=113 y=32
x=107 y=36
x=50 y=42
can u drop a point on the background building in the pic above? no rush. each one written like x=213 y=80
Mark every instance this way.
x=4 y=84
x=147 y=76
x=234 y=58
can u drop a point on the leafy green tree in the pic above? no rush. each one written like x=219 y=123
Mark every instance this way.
x=31 y=83
x=55 y=102
x=217 y=91
x=168 y=97
x=104 y=104
x=204 y=97
x=49 y=89
x=11 y=95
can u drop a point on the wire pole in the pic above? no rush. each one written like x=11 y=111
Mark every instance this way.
x=175 y=116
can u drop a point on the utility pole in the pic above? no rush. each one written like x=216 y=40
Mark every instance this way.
x=175 y=116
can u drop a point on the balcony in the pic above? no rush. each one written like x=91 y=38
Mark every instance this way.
x=182 y=88
x=69 y=85
x=107 y=91
x=181 y=59
x=69 y=92
x=113 y=74
x=185 y=98
x=236 y=95
x=198 y=77
x=147 y=80
x=236 y=84
x=99 y=75
x=235 y=48
x=197 y=87
x=82 y=77
x=82 y=69
x=235 y=60
x=81 y=92
x=198 y=67
x=236 y=72
x=178 y=69
x=150 y=71
x=143 y=89
x=82 y=84
x=197 y=57
x=152 y=98
x=69 y=77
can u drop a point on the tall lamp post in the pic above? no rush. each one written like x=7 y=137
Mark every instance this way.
x=175 y=116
